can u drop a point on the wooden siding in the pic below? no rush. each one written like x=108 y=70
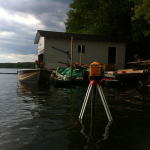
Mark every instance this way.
x=95 y=51
x=41 y=46
x=53 y=56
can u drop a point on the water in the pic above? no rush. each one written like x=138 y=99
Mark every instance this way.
x=9 y=70
x=46 y=118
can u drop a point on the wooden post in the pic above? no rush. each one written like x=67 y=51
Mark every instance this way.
x=81 y=55
x=71 y=57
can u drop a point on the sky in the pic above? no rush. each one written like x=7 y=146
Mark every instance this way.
x=19 y=22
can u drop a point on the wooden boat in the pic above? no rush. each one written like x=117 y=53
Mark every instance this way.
x=37 y=76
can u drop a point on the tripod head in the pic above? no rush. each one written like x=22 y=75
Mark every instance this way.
x=95 y=71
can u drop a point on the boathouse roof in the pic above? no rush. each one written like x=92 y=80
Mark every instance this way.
x=85 y=37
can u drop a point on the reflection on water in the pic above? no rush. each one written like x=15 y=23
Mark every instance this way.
x=43 y=118
x=54 y=112
x=93 y=143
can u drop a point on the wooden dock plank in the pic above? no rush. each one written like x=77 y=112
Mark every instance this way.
x=131 y=71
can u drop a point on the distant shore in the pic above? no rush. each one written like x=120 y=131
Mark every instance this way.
x=17 y=65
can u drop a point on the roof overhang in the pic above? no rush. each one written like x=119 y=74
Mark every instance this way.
x=84 y=37
x=37 y=37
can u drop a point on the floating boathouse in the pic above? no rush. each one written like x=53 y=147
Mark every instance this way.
x=106 y=50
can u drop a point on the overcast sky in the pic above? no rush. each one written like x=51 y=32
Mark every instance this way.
x=19 y=22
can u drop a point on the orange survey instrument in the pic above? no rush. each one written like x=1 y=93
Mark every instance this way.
x=95 y=69
x=95 y=78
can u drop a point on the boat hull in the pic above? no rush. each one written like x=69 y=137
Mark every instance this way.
x=34 y=76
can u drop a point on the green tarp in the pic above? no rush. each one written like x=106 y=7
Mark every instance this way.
x=59 y=70
x=75 y=73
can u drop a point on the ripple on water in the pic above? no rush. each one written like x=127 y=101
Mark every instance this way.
x=47 y=118
x=9 y=141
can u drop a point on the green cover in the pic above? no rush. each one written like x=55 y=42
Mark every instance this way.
x=59 y=70
x=75 y=73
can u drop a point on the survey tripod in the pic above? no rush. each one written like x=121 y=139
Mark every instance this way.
x=94 y=85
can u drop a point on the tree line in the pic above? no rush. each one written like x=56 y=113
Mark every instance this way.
x=17 y=65
x=126 y=19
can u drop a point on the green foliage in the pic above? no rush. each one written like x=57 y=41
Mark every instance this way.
x=141 y=18
x=102 y=17
x=129 y=19
x=17 y=65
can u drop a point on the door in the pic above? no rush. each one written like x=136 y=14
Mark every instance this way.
x=40 y=58
x=112 y=55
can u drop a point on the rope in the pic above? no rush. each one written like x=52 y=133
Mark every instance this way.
x=63 y=52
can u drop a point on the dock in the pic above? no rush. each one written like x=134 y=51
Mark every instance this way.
x=109 y=74
x=131 y=75
x=140 y=64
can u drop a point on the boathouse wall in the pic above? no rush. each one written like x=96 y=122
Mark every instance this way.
x=52 y=57
x=41 y=45
x=94 y=51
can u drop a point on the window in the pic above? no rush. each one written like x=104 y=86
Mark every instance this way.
x=79 y=48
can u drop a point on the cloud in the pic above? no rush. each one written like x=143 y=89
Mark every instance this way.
x=44 y=11
x=7 y=34
x=20 y=19
x=18 y=58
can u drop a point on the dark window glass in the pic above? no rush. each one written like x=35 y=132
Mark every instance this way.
x=79 y=48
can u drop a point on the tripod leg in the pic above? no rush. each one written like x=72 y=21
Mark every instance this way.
x=93 y=102
x=104 y=103
x=85 y=101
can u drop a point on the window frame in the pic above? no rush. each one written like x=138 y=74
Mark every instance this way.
x=82 y=49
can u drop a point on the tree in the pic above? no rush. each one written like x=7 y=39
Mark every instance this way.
x=102 y=17
x=141 y=19
x=17 y=65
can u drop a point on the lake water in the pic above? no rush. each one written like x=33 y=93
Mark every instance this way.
x=46 y=118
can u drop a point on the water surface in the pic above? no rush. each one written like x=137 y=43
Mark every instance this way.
x=46 y=118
